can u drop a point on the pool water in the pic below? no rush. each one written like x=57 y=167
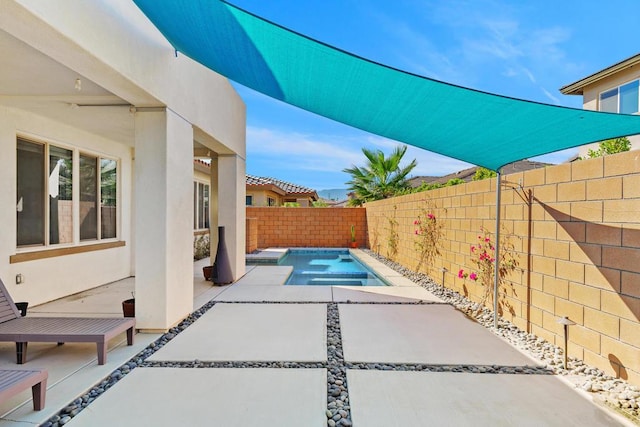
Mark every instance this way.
x=326 y=267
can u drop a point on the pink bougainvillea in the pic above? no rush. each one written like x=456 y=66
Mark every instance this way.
x=430 y=232
x=483 y=256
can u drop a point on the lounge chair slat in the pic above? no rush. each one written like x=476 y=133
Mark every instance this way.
x=71 y=326
x=22 y=330
x=6 y=316
x=8 y=309
x=6 y=312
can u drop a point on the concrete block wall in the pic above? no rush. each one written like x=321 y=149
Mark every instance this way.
x=251 y=235
x=576 y=230
x=308 y=227
x=65 y=221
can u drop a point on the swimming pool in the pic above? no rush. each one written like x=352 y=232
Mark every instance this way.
x=326 y=267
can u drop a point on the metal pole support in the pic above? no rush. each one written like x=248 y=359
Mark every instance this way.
x=496 y=267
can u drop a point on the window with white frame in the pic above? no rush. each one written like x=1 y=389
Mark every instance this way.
x=200 y=206
x=623 y=99
x=46 y=177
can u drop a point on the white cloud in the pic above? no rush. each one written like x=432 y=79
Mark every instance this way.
x=303 y=151
x=510 y=72
x=474 y=43
x=544 y=44
x=419 y=54
x=322 y=153
x=558 y=156
x=432 y=164
x=429 y=163
x=548 y=94
x=496 y=39
x=529 y=74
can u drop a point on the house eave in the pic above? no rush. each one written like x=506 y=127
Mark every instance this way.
x=266 y=187
x=314 y=196
x=577 y=88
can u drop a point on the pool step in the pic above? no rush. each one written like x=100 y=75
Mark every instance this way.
x=334 y=281
x=335 y=274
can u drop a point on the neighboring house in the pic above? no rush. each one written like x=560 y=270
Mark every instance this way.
x=261 y=191
x=467 y=174
x=614 y=89
x=335 y=203
x=97 y=141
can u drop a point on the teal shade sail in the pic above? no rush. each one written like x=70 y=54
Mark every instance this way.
x=473 y=126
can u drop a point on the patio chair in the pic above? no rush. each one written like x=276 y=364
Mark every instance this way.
x=22 y=330
x=14 y=381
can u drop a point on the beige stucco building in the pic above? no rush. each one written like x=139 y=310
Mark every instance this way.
x=265 y=191
x=614 y=89
x=100 y=121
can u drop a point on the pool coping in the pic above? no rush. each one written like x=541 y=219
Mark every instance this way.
x=271 y=256
x=266 y=256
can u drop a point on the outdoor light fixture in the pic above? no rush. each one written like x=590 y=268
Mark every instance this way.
x=444 y=271
x=566 y=322
x=78 y=85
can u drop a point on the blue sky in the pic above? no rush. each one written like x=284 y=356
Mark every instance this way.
x=522 y=49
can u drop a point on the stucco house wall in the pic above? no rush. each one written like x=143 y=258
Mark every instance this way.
x=50 y=278
x=136 y=101
x=260 y=198
x=601 y=81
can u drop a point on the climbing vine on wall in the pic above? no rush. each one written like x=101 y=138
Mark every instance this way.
x=429 y=231
x=393 y=238
x=483 y=255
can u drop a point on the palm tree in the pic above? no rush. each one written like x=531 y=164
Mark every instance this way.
x=381 y=178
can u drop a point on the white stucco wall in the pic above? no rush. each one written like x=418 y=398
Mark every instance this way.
x=50 y=278
x=231 y=169
x=112 y=44
x=164 y=224
x=200 y=176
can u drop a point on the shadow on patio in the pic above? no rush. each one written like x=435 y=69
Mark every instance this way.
x=73 y=367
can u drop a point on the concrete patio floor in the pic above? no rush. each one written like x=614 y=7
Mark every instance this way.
x=73 y=367
x=258 y=357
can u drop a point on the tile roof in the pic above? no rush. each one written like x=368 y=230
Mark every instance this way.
x=286 y=186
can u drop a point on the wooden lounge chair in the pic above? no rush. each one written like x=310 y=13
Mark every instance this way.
x=22 y=330
x=13 y=381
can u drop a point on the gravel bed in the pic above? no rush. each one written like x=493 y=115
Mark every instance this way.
x=468 y=369
x=613 y=392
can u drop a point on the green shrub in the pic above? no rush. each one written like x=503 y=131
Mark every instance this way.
x=201 y=247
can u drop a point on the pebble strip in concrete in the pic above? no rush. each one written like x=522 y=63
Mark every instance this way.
x=614 y=392
x=338 y=407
